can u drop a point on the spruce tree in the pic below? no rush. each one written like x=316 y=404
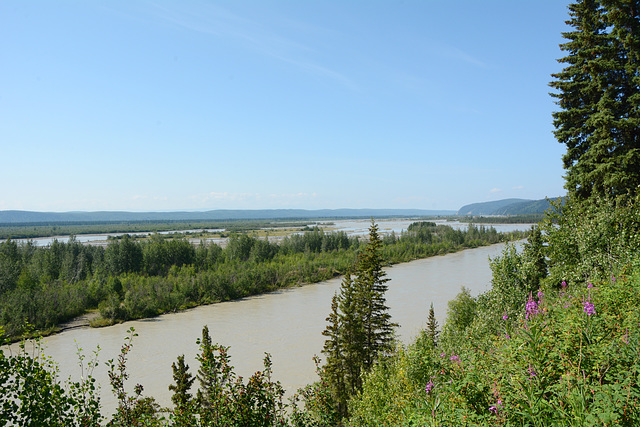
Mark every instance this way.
x=181 y=397
x=371 y=286
x=599 y=100
x=359 y=328
x=335 y=369
x=432 y=327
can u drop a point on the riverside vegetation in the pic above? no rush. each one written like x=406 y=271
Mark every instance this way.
x=555 y=341
x=40 y=287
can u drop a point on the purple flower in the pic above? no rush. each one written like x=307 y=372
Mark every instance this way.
x=589 y=286
x=429 y=386
x=563 y=284
x=494 y=408
x=589 y=308
x=504 y=316
x=540 y=294
x=532 y=372
x=442 y=354
x=531 y=307
x=454 y=358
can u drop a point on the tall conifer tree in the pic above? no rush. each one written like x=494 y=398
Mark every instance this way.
x=359 y=326
x=598 y=94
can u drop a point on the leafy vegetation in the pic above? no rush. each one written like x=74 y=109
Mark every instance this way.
x=563 y=351
x=130 y=279
x=555 y=341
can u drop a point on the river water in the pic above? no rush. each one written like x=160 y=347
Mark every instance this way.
x=287 y=324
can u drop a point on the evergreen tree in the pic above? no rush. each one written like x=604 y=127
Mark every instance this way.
x=181 y=397
x=359 y=327
x=432 y=327
x=599 y=97
x=335 y=369
x=371 y=286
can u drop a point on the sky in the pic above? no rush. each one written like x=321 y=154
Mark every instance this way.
x=142 y=105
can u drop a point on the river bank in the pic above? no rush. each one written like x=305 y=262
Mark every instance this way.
x=286 y=323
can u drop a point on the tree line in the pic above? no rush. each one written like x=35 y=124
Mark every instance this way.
x=130 y=279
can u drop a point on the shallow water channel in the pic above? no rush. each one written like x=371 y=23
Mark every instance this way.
x=287 y=324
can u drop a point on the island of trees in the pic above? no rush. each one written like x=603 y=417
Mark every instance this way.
x=555 y=341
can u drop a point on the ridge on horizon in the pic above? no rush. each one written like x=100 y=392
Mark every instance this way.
x=18 y=216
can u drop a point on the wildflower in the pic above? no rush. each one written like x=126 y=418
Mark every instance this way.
x=589 y=285
x=589 y=308
x=494 y=408
x=507 y=336
x=531 y=307
x=540 y=294
x=532 y=372
x=442 y=355
x=563 y=284
x=504 y=316
x=429 y=386
x=454 y=358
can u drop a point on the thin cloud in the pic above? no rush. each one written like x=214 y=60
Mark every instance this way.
x=216 y=21
x=458 y=54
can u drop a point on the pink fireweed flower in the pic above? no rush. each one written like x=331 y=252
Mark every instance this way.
x=531 y=307
x=494 y=408
x=454 y=358
x=589 y=308
x=540 y=294
x=429 y=386
x=563 y=284
x=589 y=285
x=504 y=316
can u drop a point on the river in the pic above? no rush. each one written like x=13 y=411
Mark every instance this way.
x=287 y=324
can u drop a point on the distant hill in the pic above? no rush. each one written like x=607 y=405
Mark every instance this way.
x=506 y=207
x=488 y=208
x=30 y=217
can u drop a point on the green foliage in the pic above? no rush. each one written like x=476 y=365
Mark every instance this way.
x=432 y=327
x=133 y=409
x=359 y=330
x=599 y=117
x=589 y=241
x=130 y=279
x=564 y=353
x=223 y=399
x=32 y=395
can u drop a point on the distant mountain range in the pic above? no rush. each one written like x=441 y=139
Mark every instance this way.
x=30 y=217
x=506 y=207
x=496 y=208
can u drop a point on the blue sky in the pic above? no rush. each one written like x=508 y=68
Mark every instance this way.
x=176 y=105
